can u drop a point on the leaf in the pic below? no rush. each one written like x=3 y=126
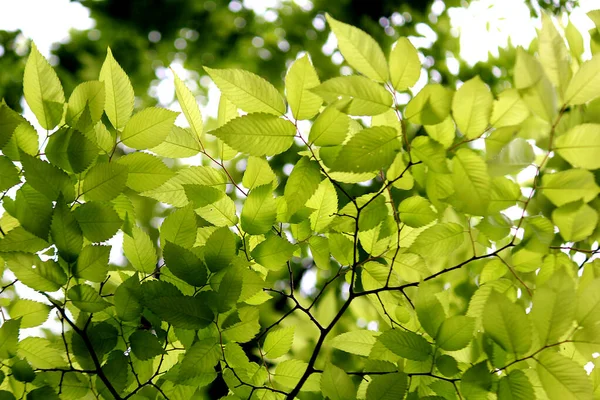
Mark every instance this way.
x=571 y=185
x=278 y=342
x=588 y=305
x=87 y=97
x=585 y=84
x=32 y=313
x=220 y=249
x=515 y=386
x=22 y=371
x=405 y=66
x=406 y=344
x=429 y=310
x=387 y=387
x=184 y=264
x=92 y=263
x=299 y=79
x=274 y=252
x=443 y=133
x=507 y=324
x=365 y=96
x=259 y=211
x=167 y=302
x=476 y=382
x=45 y=276
x=289 y=372
x=580 y=146
x=70 y=150
x=41 y=353
x=330 y=128
x=9 y=121
x=9 y=174
x=416 y=211
x=562 y=378
x=212 y=204
x=455 y=333
x=325 y=203
x=509 y=109
x=180 y=227
x=9 y=336
x=179 y=143
x=472 y=107
x=33 y=210
x=189 y=106
x=245 y=330
x=431 y=153
x=439 y=240
x=554 y=55
x=42 y=90
x=128 y=299
x=139 y=250
x=471 y=182
x=201 y=357
x=98 y=221
x=553 y=312
x=360 y=50
x=145 y=171
x=148 y=128
x=257 y=134
x=356 y=342
x=248 y=91
x=119 y=92
x=228 y=289
x=336 y=384
x=258 y=172
x=86 y=298
x=302 y=184
x=369 y=150
x=18 y=239
x=575 y=221
x=145 y=345
x=105 y=181
x=430 y=106
x=46 y=178
x=528 y=70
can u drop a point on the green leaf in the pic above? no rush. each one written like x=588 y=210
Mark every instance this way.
x=443 y=133
x=90 y=95
x=387 y=387
x=289 y=372
x=9 y=174
x=416 y=211
x=9 y=336
x=336 y=384
x=369 y=150
x=507 y=324
x=362 y=96
x=104 y=181
x=180 y=228
x=576 y=221
x=447 y=365
x=554 y=55
x=92 y=263
x=24 y=139
x=167 y=302
x=43 y=393
x=360 y=50
x=33 y=210
x=302 y=184
x=148 y=128
x=528 y=70
x=472 y=107
x=220 y=249
x=324 y=202
x=471 y=182
x=299 y=79
x=246 y=329
x=476 y=382
x=9 y=121
x=580 y=146
x=86 y=298
x=356 y=342
x=71 y=150
x=229 y=290
x=509 y=109
x=212 y=204
x=553 y=312
x=139 y=250
x=190 y=108
x=128 y=299
x=258 y=172
x=588 y=305
x=119 y=92
x=405 y=66
x=585 y=84
x=200 y=358
x=562 y=378
x=42 y=90
x=278 y=342
x=18 y=239
x=439 y=240
x=429 y=310
x=430 y=106
x=431 y=153
x=455 y=333
x=571 y=185
x=406 y=344
x=47 y=276
x=512 y=159
x=274 y=252
x=22 y=371
x=179 y=143
x=145 y=171
x=184 y=264
x=504 y=194
x=248 y=91
x=46 y=178
x=260 y=211
x=98 y=221
x=515 y=386
x=330 y=128
x=145 y=345
x=41 y=353
x=257 y=134
x=32 y=313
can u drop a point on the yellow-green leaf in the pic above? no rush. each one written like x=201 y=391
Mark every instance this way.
x=405 y=66
x=430 y=106
x=300 y=77
x=580 y=146
x=148 y=128
x=471 y=107
x=189 y=106
x=119 y=92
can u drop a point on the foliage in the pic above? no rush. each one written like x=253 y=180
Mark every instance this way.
x=463 y=299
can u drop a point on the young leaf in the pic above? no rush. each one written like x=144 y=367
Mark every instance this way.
x=472 y=107
x=257 y=134
x=128 y=299
x=32 y=313
x=299 y=79
x=140 y=251
x=248 y=91
x=562 y=378
x=336 y=384
x=274 y=252
x=179 y=143
x=443 y=133
x=70 y=150
x=455 y=333
x=42 y=90
x=89 y=94
x=416 y=211
x=260 y=211
x=148 y=128
x=360 y=50
x=580 y=146
x=476 y=382
x=528 y=70
x=46 y=178
x=439 y=240
x=145 y=171
x=356 y=342
x=367 y=97
x=553 y=312
x=509 y=109
x=515 y=386
x=324 y=202
x=9 y=337
x=507 y=324
x=575 y=221
x=585 y=84
x=301 y=184
x=571 y=185
x=278 y=342
x=471 y=182
x=430 y=106
x=554 y=55
x=258 y=172
x=405 y=66
x=105 y=181
x=18 y=239
x=190 y=108
x=330 y=128
x=119 y=92
x=406 y=344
